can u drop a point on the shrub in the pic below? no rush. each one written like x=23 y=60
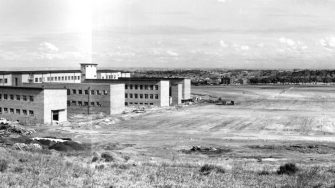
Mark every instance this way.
x=288 y=168
x=108 y=157
x=207 y=169
x=3 y=165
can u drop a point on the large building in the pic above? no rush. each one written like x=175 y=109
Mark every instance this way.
x=87 y=71
x=152 y=91
x=85 y=98
x=33 y=105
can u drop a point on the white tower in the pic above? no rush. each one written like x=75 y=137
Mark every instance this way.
x=88 y=71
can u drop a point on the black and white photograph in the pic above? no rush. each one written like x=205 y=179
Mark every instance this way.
x=167 y=93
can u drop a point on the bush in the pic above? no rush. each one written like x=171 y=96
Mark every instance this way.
x=207 y=169
x=3 y=165
x=108 y=157
x=288 y=168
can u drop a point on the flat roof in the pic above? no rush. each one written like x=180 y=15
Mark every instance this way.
x=27 y=87
x=88 y=63
x=39 y=72
x=140 y=79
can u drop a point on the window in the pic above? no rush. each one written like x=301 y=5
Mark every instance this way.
x=141 y=103
x=146 y=103
x=85 y=103
x=86 y=92
x=156 y=87
x=130 y=95
x=55 y=78
x=62 y=77
x=126 y=86
x=40 y=79
x=74 y=91
x=92 y=104
x=92 y=92
x=59 y=78
x=151 y=87
x=80 y=92
x=130 y=103
x=136 y=86
x=73 y=103
x=68 y=92
x=24 y=98
x=136 y=96
x=31 y=98
x=48 y=78
x=151 y=103
x=98 y=92
x=151 y=96
x=131 y=86
x=156 y=96
x=0 y=110
x=68 y=103
x=5 y=96
x=141 y=96
x=24 y=112
x=18 y=111
x=141 y=87
x=11 y=97
x=18 y=97
x=126 y=104
x=0 y=80
x=31 y=113
x=0 y=96
x=72 y=78
x=11 y=111
x=105 y=92
x=78 y=77
x=65 y=77
x=36 y=79
x=146 y=96
x=5 y=110
x=146 y=87
x=99 y=104
x=126 y=95
x=6 y=80
x=80 y=103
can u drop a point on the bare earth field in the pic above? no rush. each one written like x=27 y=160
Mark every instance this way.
x=243 y=145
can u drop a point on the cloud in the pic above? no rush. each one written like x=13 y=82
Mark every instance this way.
x=244 y=47
x=328 y=43
x=172 y=53
x=223 y=44
x=48 y=47
x=292 y=45
x=222 y=1
x=239 y=47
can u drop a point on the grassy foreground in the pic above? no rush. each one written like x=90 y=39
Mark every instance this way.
x=36 y=169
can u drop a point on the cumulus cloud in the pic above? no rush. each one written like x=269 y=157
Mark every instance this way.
x=48 y=47
x=328 y=43
x=223 y=44
x=172 y=53
x=291 y=44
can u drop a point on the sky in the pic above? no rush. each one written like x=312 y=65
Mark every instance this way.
x=250 y=34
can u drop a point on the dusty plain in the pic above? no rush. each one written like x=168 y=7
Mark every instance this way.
x=267 y=127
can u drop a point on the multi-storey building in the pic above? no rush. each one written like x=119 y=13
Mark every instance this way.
x=93 y=98
x=33 y=105
x=152 y=91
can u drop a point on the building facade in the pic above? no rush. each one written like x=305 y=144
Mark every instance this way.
x=93 y=98
x=33 y=105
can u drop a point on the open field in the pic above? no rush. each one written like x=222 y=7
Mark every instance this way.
x=268 y=127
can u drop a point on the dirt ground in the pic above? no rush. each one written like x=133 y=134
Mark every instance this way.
x=267 y=125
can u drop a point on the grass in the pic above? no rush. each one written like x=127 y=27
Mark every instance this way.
x=54 y=170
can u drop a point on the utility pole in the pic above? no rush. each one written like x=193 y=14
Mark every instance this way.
x=88 y=105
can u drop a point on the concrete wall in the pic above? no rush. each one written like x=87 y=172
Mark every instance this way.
x=176 y=93
x=186 y=89
x=55 y=100
x=117 y=99
x=164 y=93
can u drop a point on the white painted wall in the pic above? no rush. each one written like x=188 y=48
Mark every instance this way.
x=55 y=99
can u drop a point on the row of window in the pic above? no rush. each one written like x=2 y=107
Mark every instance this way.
x=86 y=92
x=58 y=78
x=4 y=80
x=16 y=111
x=136 y=103
x=142 y=87
x=16 y=97
x=141 y=96
x=81 y=103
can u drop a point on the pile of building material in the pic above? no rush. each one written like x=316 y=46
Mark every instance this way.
x=14 y=128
